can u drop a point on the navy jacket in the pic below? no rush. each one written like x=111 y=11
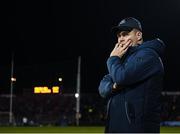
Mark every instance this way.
x=136 y=107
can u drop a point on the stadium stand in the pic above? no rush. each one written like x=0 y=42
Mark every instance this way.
x=60 y=109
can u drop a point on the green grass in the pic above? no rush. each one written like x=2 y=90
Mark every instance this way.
x=70 y=129
x=170 y=129
x=52 y=129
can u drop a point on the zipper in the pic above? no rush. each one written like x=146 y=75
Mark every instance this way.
x=126 y=109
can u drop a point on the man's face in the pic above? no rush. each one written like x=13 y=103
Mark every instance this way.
x=134 y=35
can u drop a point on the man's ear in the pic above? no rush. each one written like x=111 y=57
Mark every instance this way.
x=139 y=35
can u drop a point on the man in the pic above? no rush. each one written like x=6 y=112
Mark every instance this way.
x=134 y=82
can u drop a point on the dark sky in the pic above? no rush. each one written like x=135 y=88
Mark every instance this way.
x=48 y=36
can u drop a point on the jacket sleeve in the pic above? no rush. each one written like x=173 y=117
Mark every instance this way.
x=105 y=86
x=139 y=66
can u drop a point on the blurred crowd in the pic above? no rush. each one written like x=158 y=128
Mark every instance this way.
x=170 y=108
x=52 y=109
x=60 y=109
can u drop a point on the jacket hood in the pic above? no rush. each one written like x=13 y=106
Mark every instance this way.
x=156 y=44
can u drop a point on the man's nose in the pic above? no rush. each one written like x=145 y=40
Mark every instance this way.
x=121 y=39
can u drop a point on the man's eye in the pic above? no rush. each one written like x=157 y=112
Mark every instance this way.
x=125 y=33
x=119 y=36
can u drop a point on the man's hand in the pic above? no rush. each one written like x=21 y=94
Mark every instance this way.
x=120 y=49
x=116 y=88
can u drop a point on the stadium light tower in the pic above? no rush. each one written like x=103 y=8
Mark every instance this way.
x=77 y=95
x=11 y=91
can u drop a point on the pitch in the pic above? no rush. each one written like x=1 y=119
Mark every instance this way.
x=49 y=129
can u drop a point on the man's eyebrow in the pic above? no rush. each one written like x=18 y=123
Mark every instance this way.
x=123 y=33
